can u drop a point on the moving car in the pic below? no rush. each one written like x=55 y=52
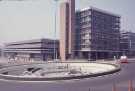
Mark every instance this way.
x=124 y=59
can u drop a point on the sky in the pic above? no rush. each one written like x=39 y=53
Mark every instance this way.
x=34 y=19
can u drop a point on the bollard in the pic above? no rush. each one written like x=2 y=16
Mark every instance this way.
x=114 y=87
x=130 y=85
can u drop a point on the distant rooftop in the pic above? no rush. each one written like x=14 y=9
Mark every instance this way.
x=97 y=9
x=126 y=32
x=31 y=41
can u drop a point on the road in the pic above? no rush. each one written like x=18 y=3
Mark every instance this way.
x=102 y=83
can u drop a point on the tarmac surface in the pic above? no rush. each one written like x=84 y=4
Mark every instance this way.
x=101 y=83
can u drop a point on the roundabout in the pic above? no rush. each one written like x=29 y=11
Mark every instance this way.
x=57 y=71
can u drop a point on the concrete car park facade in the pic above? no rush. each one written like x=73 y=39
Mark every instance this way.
x=36 y=49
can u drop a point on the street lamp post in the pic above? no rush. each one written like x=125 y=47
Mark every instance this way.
x=55 y=30
x=130 y=46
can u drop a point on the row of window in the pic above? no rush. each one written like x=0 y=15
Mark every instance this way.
x=98 y=47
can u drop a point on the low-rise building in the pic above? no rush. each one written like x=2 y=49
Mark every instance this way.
x=38 y=49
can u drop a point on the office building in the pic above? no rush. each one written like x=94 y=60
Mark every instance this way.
x=36 y=49
x=89 y=33
x=127 y=43
x=97 y=34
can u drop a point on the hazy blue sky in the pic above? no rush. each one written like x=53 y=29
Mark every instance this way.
x=31 y=19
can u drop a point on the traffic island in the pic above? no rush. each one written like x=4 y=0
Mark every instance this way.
x=57 y=71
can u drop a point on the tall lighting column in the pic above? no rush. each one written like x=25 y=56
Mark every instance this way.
x=55 y=30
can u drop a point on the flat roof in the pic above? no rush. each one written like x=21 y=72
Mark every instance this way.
x=30 y=41
x=99 y=10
